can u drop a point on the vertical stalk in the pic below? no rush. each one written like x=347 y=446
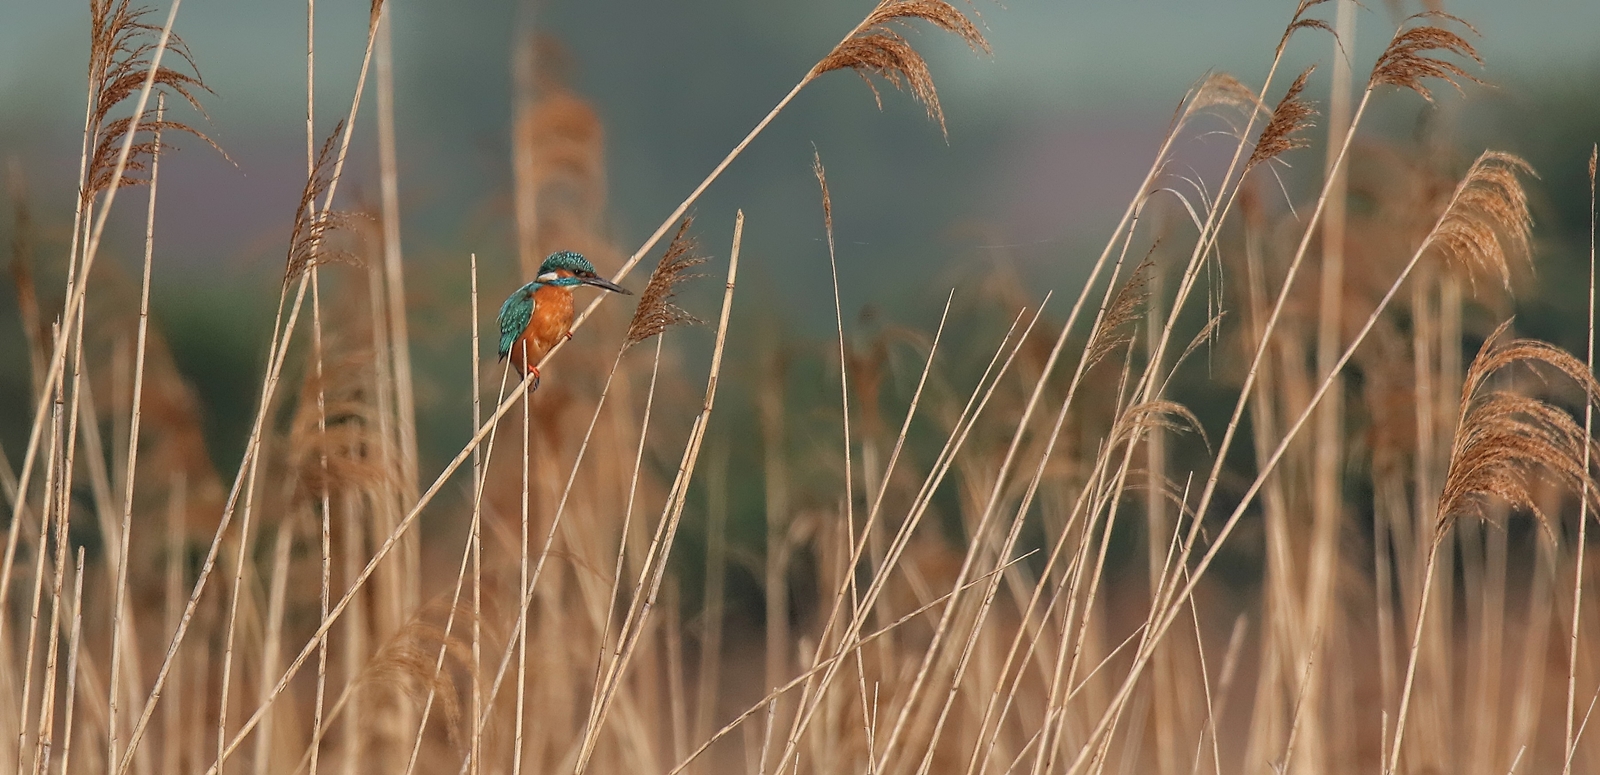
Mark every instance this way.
x=393 y=267
x=121 y=565
x=521 y=634
x=72 y=665
x=1583 y=508
x=1326 y=485
x=476 y=534
x=172 y=716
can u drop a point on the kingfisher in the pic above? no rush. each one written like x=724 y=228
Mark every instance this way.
x=539 y=314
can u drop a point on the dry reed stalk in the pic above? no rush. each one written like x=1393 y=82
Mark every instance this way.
x=1404 y=63
x=467 y=555
x=476 y=530
x=888 y=39
x=1216 y=90
x=324 y=511
x=892 y=41
x=1118 y=313
x=72 y=665
x=277 y=354
x=1502 y=440
x=1490 y=642
x=484 y=432
x=1265 y=732
x=1583 y=507
x=399 y=336
x=173 y=715
x=712 y=609
x=115 y=80
x=1034 y=635
x=1163 y=687
x=277 y=603
x=398 y=660
x=826 y=663
x=383 y=550
x=121 y=565
x=121 y=391
x=813 y=693
x=871 y=46
x=521 y=633
x=653 y=316
x=354 y=653
x=10 y=726
x=51 y=504
x=1276 y=137
x=1328 y=435
x=1485 y=214
x=951 y=444
x=1535 y=641
x=45 y=737
x=671 y=514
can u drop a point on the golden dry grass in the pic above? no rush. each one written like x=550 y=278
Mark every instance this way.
x=945 y=581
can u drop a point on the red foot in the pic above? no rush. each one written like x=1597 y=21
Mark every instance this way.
x=535 y=372
x=569 y=334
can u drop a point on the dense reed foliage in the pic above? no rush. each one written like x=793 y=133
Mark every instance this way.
x=949 y=579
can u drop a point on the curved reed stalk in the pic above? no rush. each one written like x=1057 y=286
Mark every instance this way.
x=1404 y=64
x=277 y=355
x=1487 y=202
x=672 y=512
x=1583 y=507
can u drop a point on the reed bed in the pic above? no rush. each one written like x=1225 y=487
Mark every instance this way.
x=1363 y=546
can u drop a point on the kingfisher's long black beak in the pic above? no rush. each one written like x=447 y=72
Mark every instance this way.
x=601 y=282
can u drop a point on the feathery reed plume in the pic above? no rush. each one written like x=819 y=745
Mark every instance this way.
x=312 y=225
x=1505 y=440
x=120 y=48
x=1221 y=89
x=1300 y=22
x=1124 y=309
x=877 y=47
x=656 y=312
x=1409 y=58
x=1488 y=215
x=1155 y=414
x=1289 y=119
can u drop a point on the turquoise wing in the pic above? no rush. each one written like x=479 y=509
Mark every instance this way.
x=514 y=316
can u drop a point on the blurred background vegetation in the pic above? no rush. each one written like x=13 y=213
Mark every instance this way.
x=1046 y=141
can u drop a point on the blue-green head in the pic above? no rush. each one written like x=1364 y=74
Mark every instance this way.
x=568 y=269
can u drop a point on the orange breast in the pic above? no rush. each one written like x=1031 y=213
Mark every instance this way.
x=552 y=316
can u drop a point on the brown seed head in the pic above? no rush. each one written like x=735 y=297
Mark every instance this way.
x=1225 y=90
x=1283 y=132
x=1505 y=440
x=877 y=47
x=1126 y=307
x=656 y=312
x=120 y=48
x=1300 y=22
x=1411 y=56
x=1487 y=217
x=308 y=245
